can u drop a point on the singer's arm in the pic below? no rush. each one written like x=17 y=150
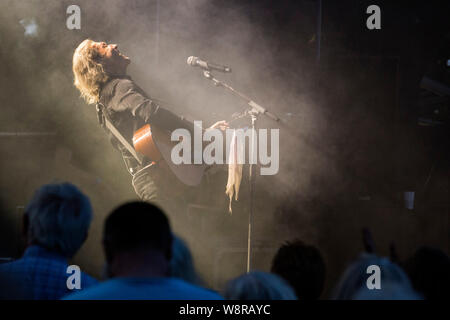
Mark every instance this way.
x=128 y=97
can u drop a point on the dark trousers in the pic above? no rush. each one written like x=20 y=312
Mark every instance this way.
x=159 y=186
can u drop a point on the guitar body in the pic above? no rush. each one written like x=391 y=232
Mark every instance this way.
x=156 y=145
x=144 y=144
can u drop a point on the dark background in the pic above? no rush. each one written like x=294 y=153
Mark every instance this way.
x=352 y=139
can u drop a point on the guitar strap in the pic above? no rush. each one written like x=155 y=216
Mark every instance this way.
x=104 y=121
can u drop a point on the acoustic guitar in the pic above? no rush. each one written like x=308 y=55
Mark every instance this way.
x=155 y=144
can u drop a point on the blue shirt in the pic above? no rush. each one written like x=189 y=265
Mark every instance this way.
x=40 y=275
x=145 y=289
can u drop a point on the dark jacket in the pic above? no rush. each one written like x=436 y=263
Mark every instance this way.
x=129 y=108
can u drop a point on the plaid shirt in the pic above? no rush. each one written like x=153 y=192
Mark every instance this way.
x=40 y=274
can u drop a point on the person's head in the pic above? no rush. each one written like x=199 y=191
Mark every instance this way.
x=93 y=64
x=58 y=218
x=258 y=285
x=182 y=264
x=429 y=270
x=389 y=291
x=137 y=239
x=394 y=283
x=303 y=267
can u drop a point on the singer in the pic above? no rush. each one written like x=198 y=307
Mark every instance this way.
x=99 y=71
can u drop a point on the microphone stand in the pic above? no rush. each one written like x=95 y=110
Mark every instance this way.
x=255 y=110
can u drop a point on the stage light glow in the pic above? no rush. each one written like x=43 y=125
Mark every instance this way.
x=30 y=26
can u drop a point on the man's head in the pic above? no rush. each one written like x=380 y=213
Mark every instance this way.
x=258 y=285
x=182 y=263
x=113 y=61
x=93 y=64
x=137 y=235
x=58 y=218
x=395 y=284
x=429 y=270
x=303 y=267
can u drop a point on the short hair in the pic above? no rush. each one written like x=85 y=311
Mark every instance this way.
x=395 y=283
x=89 y=74
x=390 y=291
x=258 y=285
x=303 y=267
x=136 y=226
x=182 y=263
x=59 y=216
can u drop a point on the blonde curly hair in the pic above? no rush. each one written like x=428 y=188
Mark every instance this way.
x=89 y=74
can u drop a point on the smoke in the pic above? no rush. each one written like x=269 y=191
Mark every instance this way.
x=39 y=96
x=271 y=49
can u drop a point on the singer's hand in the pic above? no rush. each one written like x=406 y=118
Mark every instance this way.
x=222 y=125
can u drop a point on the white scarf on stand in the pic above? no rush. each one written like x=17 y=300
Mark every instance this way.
x=234 y=170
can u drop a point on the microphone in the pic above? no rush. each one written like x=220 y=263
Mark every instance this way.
x=196 y=62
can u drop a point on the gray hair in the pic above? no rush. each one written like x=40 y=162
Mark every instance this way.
x=395 y=283
x=59 y=216
x=258 y=285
